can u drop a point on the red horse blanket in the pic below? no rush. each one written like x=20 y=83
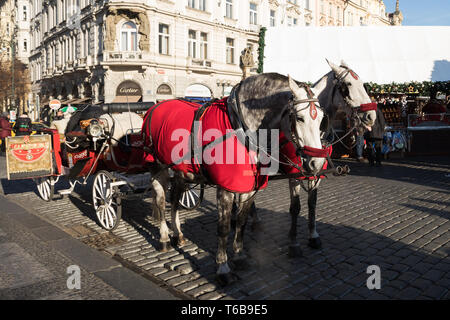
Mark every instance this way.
x=227 y=164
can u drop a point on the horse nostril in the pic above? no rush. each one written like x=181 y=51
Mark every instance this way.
x=314 y=166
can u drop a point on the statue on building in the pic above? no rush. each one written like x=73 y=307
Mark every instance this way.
x=246 y=62
x=110 y=36
x=144 y=31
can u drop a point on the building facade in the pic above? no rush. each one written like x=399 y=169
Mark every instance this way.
x=14 y=46
x=14 y=28
x=118 y=51
x=150 y=50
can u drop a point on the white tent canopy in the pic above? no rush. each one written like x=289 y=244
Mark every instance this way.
x=377 y=54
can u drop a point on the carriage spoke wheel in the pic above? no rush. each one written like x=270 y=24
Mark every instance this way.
x=106 y=200
x=46 y=188
x=192 y=196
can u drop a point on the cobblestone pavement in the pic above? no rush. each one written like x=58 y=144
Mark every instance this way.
x=396 y=217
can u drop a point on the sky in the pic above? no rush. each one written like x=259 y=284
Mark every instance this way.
x=422 y=13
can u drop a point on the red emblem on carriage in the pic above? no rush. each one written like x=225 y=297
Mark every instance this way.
x=313 y=111
x=354 y=75
x=29 y=155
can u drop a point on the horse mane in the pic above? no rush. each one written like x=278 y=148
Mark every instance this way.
x=264 y=91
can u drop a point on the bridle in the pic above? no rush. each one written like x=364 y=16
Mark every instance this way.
x=305 y=150
x=343 y=89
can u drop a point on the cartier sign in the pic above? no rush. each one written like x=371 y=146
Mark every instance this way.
x=129 y=88
x=164 y=89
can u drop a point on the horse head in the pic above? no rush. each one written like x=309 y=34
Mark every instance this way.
x=350 y=95
x=305 y=123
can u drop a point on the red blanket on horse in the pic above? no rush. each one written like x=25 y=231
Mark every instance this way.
x=228 y=164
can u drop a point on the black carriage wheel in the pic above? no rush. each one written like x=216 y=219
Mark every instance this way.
x=192 y=197
x=106 y=200
x=46 y=188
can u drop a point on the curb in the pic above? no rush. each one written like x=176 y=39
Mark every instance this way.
x=110 y=270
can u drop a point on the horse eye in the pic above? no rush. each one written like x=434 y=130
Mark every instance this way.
x=301 y=119
x=348 y=84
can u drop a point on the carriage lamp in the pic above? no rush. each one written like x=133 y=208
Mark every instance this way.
x=95 y=129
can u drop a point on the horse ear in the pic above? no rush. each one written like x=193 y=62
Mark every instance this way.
x=333 y=67
x=292 y=85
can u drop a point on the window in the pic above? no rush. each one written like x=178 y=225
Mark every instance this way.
x=322 y=7
x=197 y=4
x=25 y=45
x=295 y=21
x=229 y=9
x=272 y=18
x=192 y=44
x=230 y=50
x=307 y=5
x=253 y=13
x=163 y=39
x=129 y=37
x=331 y=11
x=203 y=45
x=289 y=21
x=25 y=13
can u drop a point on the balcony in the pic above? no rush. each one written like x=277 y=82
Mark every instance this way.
x=201 y=63
x=133 y=56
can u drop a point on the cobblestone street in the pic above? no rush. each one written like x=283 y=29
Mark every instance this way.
x=396 y=217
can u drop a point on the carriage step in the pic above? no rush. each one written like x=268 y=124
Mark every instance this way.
x=65 y=191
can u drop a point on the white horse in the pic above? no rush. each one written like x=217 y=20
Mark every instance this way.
x=266 y=101
x=340 y=89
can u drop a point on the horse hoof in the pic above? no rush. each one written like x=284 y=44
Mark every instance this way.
x=315 y=243
x=225 y=279
x=179 y=241
x=165 y=246
x=295 y=251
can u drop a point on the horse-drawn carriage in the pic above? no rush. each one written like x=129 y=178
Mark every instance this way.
x=100 y=142
x=259 y=105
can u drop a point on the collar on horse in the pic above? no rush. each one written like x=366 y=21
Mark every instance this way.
x=235 y=116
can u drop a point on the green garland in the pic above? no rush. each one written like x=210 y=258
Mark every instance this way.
x=425 y=88
x=261 y=45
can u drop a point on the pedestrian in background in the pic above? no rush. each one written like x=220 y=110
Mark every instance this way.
x=374 y=139
x=23 y=125
x=5 y=129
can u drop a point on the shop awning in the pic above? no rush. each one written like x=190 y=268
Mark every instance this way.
x=125 y=99
x=80 y=101
x=198 y=99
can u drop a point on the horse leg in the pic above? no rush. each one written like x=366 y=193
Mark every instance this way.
x=294 y=210
x=178 y=189
x=244 y=205
x=159 y=209
x=256 y=220
x=224 y=205
x=314 y=239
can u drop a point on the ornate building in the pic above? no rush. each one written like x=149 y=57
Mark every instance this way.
x=14 y=46
x=149 y=50
x=115 y=51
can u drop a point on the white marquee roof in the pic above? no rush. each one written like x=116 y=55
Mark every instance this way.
x=376 y=54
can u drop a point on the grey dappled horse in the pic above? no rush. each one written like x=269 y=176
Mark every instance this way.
x=340 y=89
x=266 y=101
